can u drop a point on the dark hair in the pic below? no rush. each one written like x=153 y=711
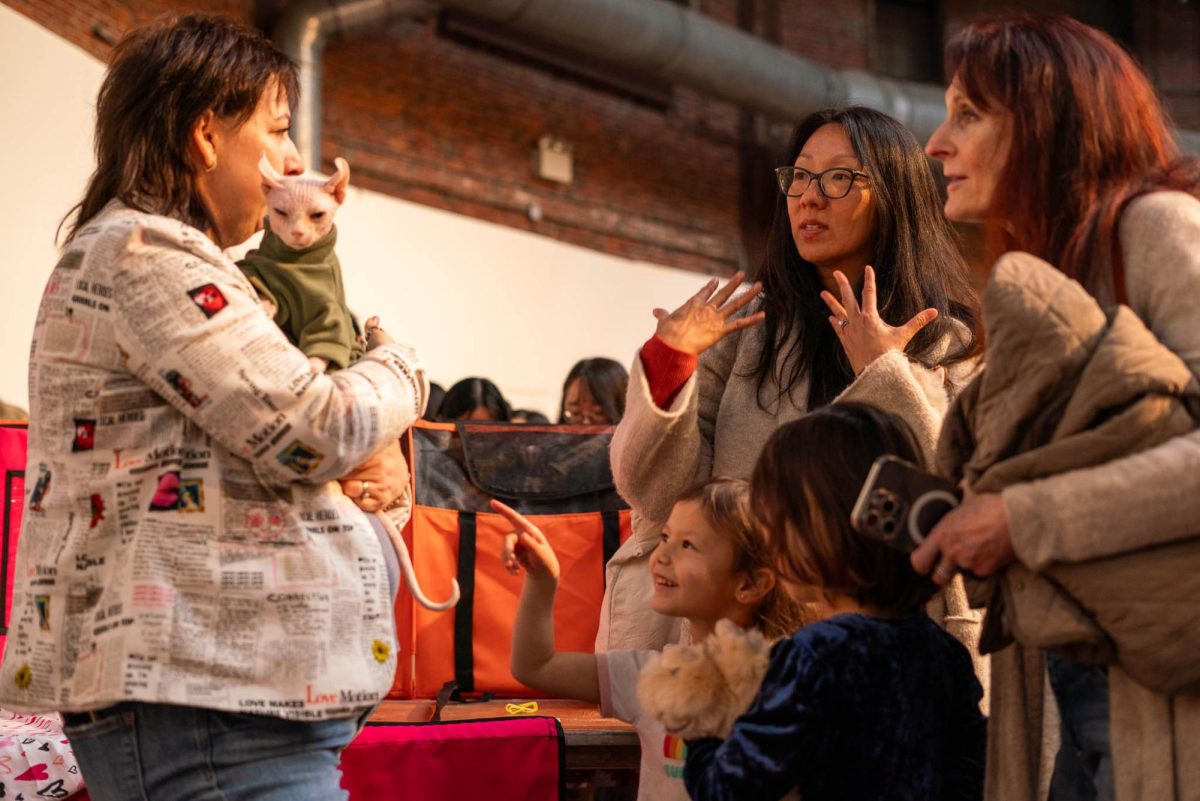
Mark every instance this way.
x=433 y=404
x=529 y=417
x=471 y=393
x=161 y=79
x=917 y=264
x=804 y=486
x=606 y=379
x=1089 y=135
x=725 y=505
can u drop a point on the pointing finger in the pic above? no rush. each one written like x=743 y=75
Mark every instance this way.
x=516 y=518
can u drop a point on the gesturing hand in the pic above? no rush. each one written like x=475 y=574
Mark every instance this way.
x=863 y=333
x=703 y=320
x=526 y=547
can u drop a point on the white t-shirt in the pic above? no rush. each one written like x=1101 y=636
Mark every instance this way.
x=663 y=754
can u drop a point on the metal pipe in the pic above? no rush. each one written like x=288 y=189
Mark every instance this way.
x=685 y=47
x=653 y=36
x=302 y=33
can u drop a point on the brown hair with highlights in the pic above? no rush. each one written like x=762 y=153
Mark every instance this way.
x=1089 y=136
x=725 y=505
x=804 y=486
x=161 y=79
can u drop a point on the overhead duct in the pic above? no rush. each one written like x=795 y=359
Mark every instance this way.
x=302 y=33
x=660 y=38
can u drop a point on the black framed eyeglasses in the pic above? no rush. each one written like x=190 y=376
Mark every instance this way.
x=834 y=183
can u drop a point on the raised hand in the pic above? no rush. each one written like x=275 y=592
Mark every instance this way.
x=526 y=547
x=703 y=320
x=863 y=333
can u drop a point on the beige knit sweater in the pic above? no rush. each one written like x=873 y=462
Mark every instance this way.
x=716 y=427
x=1133 y=502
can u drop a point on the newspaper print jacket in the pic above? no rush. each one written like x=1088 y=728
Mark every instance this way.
x=184 y=541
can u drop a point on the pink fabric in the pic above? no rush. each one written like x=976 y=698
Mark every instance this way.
x=505 y=759
x=13 y=442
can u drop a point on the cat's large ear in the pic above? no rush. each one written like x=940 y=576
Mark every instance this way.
x=337 y=183
x=270 y=175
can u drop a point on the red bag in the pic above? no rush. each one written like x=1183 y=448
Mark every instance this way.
x=14 y=439
x=504 y=759
x=559 y=476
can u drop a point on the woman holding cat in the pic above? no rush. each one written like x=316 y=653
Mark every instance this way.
x=190 y=560
x=863 y=296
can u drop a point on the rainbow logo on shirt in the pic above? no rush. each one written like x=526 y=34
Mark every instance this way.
x=675 y=750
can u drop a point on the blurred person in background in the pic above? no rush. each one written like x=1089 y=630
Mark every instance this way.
x=475 y=400
x=594 y=393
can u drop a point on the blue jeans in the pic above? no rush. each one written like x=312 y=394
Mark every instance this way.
x=157 y=752
x=1083 y=769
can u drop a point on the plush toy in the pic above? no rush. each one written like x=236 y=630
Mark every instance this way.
x=700 y=690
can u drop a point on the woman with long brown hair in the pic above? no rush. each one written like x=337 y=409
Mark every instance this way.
x=207 y=609
x=864 y=296
x=1055 y=141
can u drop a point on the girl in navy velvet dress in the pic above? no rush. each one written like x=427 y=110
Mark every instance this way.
x=874 y=701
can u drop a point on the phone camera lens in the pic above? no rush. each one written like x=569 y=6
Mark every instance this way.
x=888 y=506
x=888 y=526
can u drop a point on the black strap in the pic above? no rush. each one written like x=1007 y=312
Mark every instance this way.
x=449 y=693
x=464 y=611
x=612 y=538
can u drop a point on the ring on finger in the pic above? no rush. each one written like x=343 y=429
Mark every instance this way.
x=842 y=323
x=943 y=573
x=366 y=490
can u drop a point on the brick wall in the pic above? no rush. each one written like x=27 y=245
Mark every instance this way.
x=432 y=120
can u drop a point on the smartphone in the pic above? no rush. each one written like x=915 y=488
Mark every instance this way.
x=900 y=503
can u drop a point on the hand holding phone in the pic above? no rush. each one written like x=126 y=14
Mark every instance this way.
x=899 y=503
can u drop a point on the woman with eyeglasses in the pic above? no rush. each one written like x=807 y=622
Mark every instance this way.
x=862 y=295
x=594 y=393
x=1055 y=141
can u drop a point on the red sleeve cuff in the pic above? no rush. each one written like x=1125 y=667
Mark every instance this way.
x=666 y=369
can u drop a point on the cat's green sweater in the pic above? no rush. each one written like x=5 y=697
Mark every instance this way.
x=310 y=301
